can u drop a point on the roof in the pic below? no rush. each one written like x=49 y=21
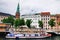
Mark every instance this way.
x=5 y=14
x=45 y=13
x=31 y=14
x=53 y=15
x=57 y=14
x=18 y=8
x=37 y=14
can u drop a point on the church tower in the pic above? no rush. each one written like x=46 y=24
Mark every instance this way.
x=17 y=15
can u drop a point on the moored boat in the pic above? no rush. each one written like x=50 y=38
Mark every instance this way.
x=57 y=33
x=34 y=35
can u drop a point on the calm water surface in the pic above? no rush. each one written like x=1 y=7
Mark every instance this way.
x=50 y=38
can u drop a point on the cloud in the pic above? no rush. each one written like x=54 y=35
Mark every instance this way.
x=8 y=6
x=26 y=6
x=41 y=5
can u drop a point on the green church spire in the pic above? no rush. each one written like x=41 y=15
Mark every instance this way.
x=18 y=9
x=17 y=12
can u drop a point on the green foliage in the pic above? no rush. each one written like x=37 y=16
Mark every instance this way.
x=40 y=24
x=28 y=22
x=10 y=20
x=16 y=23
x=22 y=22
x=19 y=22
x=4 y=20
x=51 y=22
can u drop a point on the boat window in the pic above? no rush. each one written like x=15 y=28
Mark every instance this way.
x=36 y=34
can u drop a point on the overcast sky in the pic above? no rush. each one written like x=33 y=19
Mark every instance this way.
x=30 y=6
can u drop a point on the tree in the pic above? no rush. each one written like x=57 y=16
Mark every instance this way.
x=28 y=22
x=51 y=23
x=5 y=20
x=19 y=22
x=16 y=23
x=40 y=24
x=10 y=20
x=22 y=22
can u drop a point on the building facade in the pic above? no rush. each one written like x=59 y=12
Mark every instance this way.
x=57 y=20
x=45 y=17
x=54 y=17
x=34 y=18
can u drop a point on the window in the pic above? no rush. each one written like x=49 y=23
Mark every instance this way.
x=46 y=18
x=41 y=19
x=46 y=22
x=48 y=25
x=36 y=34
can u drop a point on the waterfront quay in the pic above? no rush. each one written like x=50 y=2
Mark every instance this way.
x=27 y=33
x=25 y=30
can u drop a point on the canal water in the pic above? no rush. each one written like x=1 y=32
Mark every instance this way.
x=49 y=38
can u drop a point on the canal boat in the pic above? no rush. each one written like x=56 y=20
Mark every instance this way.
x=57 y=33
x=34 y=35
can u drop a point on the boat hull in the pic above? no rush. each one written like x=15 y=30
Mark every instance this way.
x=45 y=36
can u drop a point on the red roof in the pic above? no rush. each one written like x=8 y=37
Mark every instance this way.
x=45 y=13
x=57 y=14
